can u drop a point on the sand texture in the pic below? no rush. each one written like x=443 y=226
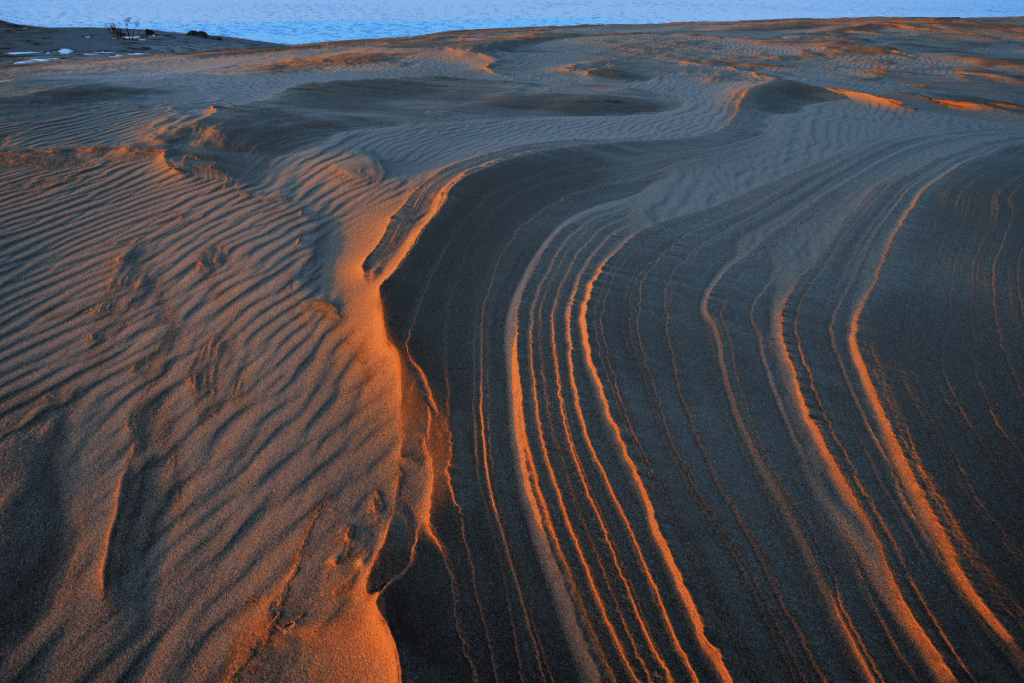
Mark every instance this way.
x=667 y=353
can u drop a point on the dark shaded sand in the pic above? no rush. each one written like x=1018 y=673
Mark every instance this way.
x=682 y=352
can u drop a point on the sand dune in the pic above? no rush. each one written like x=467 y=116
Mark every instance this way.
x=683 y=352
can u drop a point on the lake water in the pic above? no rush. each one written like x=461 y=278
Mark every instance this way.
x=306 y=21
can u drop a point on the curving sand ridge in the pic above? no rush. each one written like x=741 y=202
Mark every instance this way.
x=684 y=352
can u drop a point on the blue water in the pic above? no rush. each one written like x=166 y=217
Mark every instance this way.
x=309 y=21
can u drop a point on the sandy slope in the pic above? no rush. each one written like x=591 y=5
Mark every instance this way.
x=686 y=352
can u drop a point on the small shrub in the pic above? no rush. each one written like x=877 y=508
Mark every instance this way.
x=201 y=34
x=115 y=31
x=150 y=32
x=129 y=25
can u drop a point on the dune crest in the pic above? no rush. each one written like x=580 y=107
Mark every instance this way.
x=685 y=352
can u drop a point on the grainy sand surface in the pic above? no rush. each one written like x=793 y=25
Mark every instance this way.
x=664 y=353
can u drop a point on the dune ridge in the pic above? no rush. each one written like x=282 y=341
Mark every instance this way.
x=686 y=352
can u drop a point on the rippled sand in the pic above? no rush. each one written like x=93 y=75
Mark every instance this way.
x=682 y=352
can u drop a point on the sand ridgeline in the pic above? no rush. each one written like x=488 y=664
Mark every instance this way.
x=639 y=353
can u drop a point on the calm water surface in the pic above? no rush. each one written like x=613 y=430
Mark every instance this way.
x=306 y=21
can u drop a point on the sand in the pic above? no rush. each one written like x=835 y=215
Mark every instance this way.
x=613 y=353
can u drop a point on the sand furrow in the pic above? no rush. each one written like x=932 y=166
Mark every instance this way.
x=672 y=353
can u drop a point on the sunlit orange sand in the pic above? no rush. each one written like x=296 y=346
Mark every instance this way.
x=683 y=352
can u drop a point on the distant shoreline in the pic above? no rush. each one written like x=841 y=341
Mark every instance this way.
x=24 y=45
x=360 y=30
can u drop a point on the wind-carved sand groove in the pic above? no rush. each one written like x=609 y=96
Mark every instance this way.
x=181 y=285
x=32 y=522
x=628 y=376
x=689 y=353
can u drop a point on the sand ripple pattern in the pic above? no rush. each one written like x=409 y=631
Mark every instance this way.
x=684 y=353
x=726 y=444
